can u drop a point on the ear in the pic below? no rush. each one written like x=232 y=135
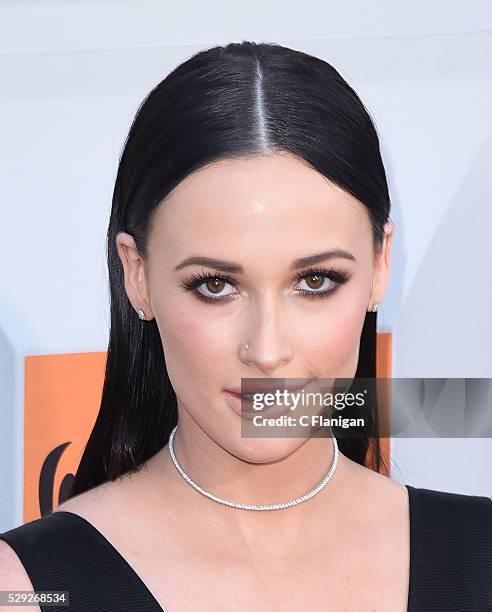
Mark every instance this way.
x=135 y=271
x=382 y=264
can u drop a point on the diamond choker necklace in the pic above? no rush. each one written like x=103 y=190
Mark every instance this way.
x=287 y=504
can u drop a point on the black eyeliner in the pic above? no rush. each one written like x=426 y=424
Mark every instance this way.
x=339 y=277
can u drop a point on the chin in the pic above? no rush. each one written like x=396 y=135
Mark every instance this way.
x=265 y=450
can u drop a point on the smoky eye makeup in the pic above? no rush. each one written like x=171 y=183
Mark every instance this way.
x=330 y=279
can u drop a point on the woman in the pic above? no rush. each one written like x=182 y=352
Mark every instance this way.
x=249 y=238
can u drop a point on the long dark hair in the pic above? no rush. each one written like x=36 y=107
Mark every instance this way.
x=241 y=99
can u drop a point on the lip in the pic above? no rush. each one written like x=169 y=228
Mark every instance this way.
x=244 y=407
x=269 y=388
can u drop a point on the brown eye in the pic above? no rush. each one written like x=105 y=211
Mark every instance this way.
x=209 y=287
x=215 y=285
x=315 y=281
x=317 y=284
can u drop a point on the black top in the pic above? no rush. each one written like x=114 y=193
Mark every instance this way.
x=450 y=558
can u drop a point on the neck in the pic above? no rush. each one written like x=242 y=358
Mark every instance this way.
x=235 y=479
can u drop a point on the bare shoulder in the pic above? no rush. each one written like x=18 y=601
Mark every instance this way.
x=378 y=490
x=13 y=576
x=97 y=503
x=106 y=504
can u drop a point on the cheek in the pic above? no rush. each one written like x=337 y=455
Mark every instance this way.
x=189 y=342
x=334 y=343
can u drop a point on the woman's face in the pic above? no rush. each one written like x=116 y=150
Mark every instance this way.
x=260 y=215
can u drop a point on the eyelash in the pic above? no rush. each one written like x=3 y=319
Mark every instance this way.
x=196 y=280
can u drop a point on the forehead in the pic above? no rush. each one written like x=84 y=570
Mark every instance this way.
x=267 y=201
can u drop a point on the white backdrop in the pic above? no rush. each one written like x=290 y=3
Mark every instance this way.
x=72 y=76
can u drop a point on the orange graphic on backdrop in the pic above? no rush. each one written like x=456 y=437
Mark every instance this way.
x=62 y=397
x=384 y=361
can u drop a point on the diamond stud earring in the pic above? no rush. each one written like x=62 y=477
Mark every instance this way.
x=375 y=307
x=141 y=314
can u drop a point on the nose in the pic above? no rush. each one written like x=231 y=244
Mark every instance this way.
x=269 y=349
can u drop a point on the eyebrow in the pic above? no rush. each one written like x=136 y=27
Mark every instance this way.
x=230 y=266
